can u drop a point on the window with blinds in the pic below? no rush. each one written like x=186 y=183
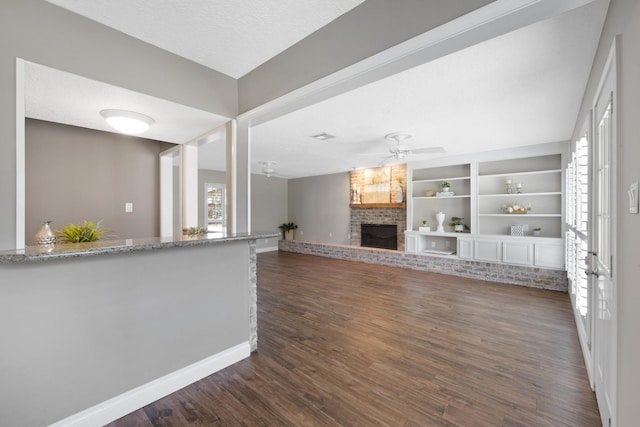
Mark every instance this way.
x=577 y=242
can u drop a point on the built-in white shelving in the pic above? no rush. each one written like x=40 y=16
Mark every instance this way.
x=481 y=198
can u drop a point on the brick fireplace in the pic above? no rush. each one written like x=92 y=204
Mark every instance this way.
x=382 y=212
x=359 y=216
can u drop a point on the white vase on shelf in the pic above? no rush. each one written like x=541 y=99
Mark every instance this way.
x=440 y=218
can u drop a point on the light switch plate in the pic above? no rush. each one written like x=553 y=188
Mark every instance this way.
x=633 y=198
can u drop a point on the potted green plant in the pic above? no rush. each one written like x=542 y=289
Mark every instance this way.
x=287 y=230
x=446 y=186
x=193 y=231
x=85 y=232
x=458 y=225
x=424 y=226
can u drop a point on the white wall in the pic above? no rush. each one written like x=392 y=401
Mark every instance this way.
x=624 y=19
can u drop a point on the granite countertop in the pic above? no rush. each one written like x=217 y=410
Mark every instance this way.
x=100 y=247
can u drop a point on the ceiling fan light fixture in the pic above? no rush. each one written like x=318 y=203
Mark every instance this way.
x=128 y=122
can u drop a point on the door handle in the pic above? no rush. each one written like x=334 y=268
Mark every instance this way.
x=593 y=273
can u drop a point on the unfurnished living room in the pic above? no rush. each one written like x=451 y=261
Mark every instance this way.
x=319 y=213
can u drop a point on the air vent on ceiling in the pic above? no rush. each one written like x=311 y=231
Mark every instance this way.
x=323 y=136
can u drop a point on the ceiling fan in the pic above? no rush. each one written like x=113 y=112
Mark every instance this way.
x=268 y=169
x=399 y=151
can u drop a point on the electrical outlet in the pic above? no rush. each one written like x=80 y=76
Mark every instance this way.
x=447 y=243
x=330 y=234
x=128 y=207
x=301 y=232
x=433 y=244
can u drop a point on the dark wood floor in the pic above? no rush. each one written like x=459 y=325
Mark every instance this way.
x=350 y=344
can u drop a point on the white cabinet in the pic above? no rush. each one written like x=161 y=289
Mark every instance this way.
x=517 y=252
x=525 y=251
x=411 y=242
x=487 y=250
x=549 y=255
x=465 y=248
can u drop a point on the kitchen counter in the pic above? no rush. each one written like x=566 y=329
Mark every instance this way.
x=101 y=247
x=93 y=331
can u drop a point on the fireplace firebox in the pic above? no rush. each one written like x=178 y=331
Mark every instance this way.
x=383 y=236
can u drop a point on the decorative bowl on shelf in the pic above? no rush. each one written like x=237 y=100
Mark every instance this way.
x=516 y=208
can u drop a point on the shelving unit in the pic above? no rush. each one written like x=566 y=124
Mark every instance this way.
x=541 y=181
x=429 y=180
x=481 y=198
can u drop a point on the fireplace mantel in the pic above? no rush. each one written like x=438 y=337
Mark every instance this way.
x=378 y=205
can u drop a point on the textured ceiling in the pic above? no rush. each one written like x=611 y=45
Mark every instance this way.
x=232 y=37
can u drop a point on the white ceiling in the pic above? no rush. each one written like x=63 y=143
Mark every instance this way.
x=522 y=88
x=518 y=89
x=61 y=97
x=232 y=37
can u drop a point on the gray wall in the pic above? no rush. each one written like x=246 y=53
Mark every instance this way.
x=75 y=174
x=320 y=206
x=269 y=206
x=623 y=19
x=46 y=34
x=370 y=28
x=84 y=330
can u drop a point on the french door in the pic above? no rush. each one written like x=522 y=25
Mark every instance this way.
x=603 y=245
x=590 y=239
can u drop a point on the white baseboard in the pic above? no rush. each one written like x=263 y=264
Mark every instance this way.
x=268 y=249
x=119 y=406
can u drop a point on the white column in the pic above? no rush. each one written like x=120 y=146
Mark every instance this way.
x=238 y=177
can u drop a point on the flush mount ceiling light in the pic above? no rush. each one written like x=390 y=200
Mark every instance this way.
x=128 y=122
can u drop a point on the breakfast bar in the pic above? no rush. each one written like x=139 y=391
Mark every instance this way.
x=97 y=330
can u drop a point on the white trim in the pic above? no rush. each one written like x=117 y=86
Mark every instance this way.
x=582 y=333
x=266 y=249
x=20 y=156
x=119 y=406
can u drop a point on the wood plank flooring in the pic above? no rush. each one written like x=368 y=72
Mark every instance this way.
x=343 y=343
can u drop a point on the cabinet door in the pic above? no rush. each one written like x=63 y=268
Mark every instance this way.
x=520 y=253
x=549 y=255
x=487 y=250
x=465 y=248
x=411 y=243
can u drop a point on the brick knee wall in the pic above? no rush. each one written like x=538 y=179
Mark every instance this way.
x=533 y=277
